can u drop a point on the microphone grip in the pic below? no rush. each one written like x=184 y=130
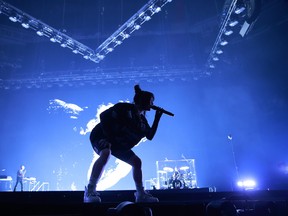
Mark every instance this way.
x=161 y=110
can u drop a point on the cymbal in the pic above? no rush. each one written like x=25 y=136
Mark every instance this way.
x=30 y=178
x=168 y=169
x=184 y=168
x=162 y=171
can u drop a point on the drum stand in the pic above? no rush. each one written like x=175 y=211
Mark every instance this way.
x=182 y=176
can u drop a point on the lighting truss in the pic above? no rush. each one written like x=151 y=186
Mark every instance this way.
x=55 y=36
x=216 y=51
x=133 y=24
x=42 y=29
x=241 y=13
x=101 y=76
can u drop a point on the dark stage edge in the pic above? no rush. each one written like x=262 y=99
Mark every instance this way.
x=180 y=202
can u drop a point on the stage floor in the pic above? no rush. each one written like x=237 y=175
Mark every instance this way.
x=171 y=202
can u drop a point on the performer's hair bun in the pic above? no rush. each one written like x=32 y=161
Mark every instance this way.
x=137 y=89
x=142 y=97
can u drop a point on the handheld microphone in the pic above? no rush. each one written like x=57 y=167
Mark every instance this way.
x=161 y=110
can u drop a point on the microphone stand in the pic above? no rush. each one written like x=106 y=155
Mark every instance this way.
x=234 y=157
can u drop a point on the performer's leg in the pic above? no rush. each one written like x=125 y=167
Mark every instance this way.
x=90 y=194
x=141 y=195
x=21 y=184
x=15 y=187
x=98 y=168
x=136 y=164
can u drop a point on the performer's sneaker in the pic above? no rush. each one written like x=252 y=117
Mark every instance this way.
x=145 y=197
x=91 y=196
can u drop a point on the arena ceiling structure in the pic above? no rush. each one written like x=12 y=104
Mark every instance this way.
x=74 y=43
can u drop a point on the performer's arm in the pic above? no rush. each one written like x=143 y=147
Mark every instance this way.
x=151 y=133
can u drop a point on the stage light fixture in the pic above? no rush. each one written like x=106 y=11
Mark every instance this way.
x=25 y=23
x=137 y=27
x=87 y=56
x=223 y=42
x=219 y=51
x=239 y=10
x=247 y=184
x=233 y=23
x=215 y=58
x=40 y=32
x=147 y=18
x=118 y=42
x=211 y=65
x=100 y=57
x=64 y=44
x=228 y=32
x=109 y=49
x=56 y=38
x=53 y=39
x=75 y=51
x=124 y=35
x=13 y=18
x=155 y=9
x=144 y=17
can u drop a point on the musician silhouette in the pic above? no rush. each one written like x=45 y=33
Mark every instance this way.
x=20 y=176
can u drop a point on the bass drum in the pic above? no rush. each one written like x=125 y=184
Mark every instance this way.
x=178 y=184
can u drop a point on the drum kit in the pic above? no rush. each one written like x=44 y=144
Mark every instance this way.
x=178 y=178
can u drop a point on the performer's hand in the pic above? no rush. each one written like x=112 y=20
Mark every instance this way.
x=158 y=114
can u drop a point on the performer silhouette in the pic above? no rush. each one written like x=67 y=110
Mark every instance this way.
x=20 y=176
x=122 y=127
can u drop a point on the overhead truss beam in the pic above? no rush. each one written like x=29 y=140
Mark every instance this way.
x=56 y=36
x=100 y=76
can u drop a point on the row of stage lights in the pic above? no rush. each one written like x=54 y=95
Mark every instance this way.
x=226 y=30
x=42 y=29
x=133 y=24
x=234 y=14
x=55 y=36
x=109 y=76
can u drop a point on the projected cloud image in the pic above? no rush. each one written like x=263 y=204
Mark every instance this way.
x=57 y=105
x=55 y=129
x=115 y=168
x=113 y=173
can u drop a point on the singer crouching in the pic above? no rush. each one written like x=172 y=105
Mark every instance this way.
x=122 y=127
